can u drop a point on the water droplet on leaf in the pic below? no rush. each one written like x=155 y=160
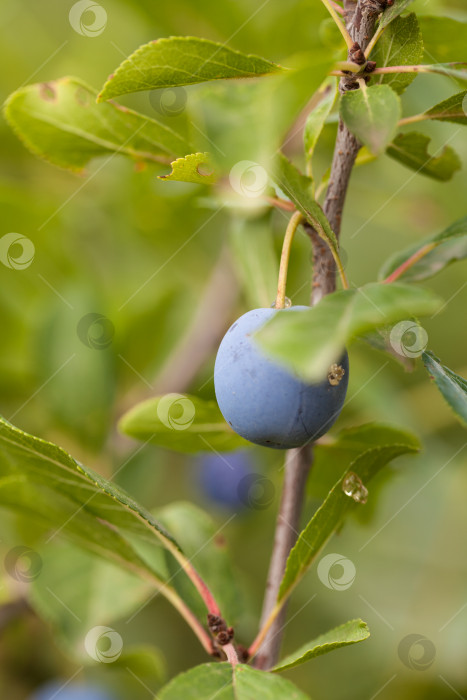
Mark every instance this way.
x=353 y=487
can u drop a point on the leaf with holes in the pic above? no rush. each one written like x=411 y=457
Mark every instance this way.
x=182 y=60
x=400 y=45
x=310 y=341
x=371 y=114
x=182 y=423
x=434 y=254
x=411 y=150
x=196 y=168
x=451 y=385
x=61 y=122
x=350 y=632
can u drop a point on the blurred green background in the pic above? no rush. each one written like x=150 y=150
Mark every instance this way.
x=118 y=242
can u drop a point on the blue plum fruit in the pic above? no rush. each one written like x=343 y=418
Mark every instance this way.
x=220 y=477
x=61 y=690
x=263 y=401
x=229 y=480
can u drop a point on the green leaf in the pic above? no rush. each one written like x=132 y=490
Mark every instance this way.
x=317 y=117
x=220 y=681
x=77 y=591
x=411 y=149
x=337 y=506
x=451 y=385
x=337 y=454
x=81 y=399
x=400 y=45
x=205 y=547
x=297 y=187
x=381 y=340
x=372 y=113
x=449 y=245
x=394 y=11
x=310 y=341
x=184 y=60
x=349 y=633
x=182 y=423
x=42 y=481
x=61 y=122
x=196 y=167
x=450 y=70
x=451 y=110
x=143 y=661
x=444 y=38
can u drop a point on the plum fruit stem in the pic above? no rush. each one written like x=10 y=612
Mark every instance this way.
x=294 y=222
x=339 y=23
x=360 y=19
x=373 y=41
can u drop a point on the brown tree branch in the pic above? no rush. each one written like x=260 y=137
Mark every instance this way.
x=361 y=28
x=297 y=466
x=360 y=19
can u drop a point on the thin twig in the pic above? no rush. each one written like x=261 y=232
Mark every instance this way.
x=295 y=221
x=231 y=654
x=339 y=23
x=337 y=7
x=374 y=39
x=407 y=264
x=280 y=203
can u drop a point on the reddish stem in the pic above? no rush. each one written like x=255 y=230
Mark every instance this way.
x=202 y=589
x=231 y=654
x=280 y=203
x=399 y=271
x=337 y=7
